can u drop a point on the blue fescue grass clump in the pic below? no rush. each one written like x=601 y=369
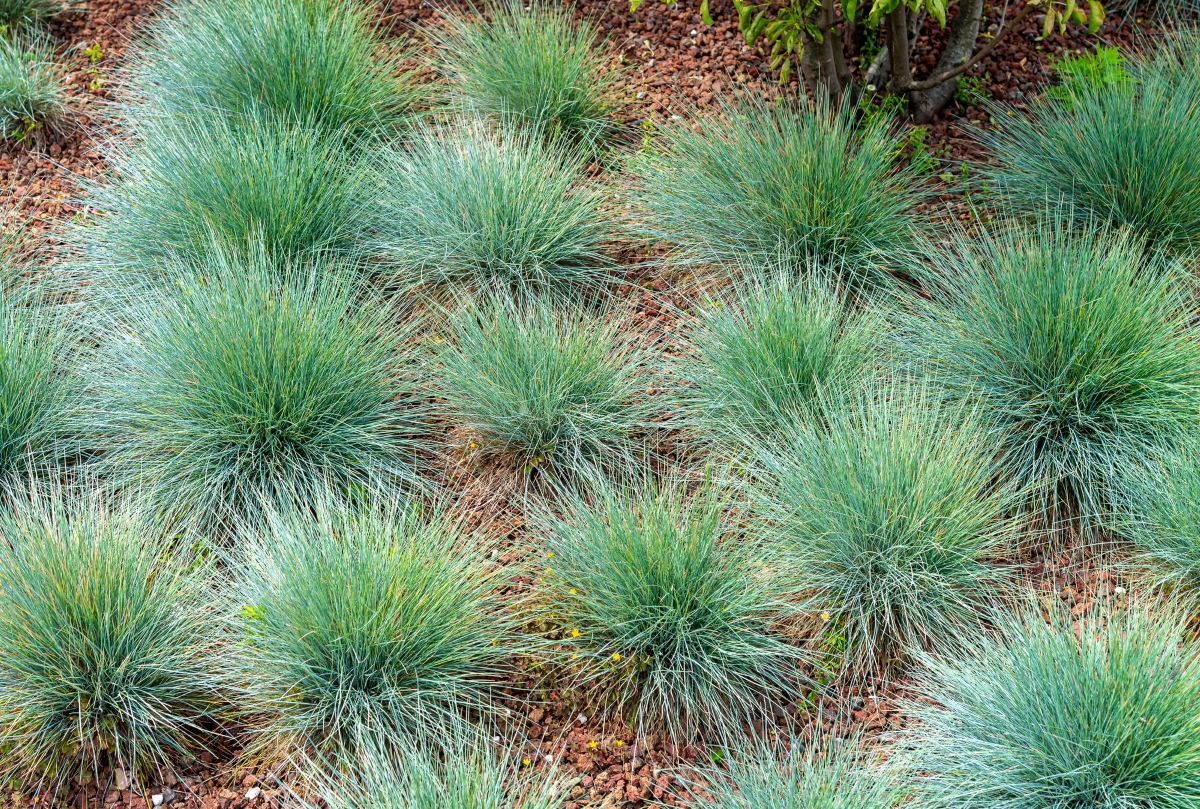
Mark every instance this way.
x=1103 y=715
x=247 y=379
x=108 y=642
x=753 y=181
x=665 y=610
x=1123 y=152
x=888 y=517
x=763 y=353
x=823 y=775
x=370 y=617
x=1158 y=510
x=546 y=387
x=40 y=387
x=534 y=65
x=1080 y=352
x=318 y=64
x=492 y=208
x=178 y=183
x=20 y=14
x=31 y=93
x=462 y=770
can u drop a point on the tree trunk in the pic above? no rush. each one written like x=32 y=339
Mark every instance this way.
x=822 y=63
x=964 y=31
x=898 y=47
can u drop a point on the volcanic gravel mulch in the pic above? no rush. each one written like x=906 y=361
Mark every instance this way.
x=671 y=65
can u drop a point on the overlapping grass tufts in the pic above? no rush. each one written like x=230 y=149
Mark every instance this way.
x=478 y=207
x=1127 y=153
x=1107 y=716
x=108 y=647
x=665 y=610
x=251 y=379
x=533 y=65
x=1159 y=511
x=179 y=183
x=462 y=770
x=546 y=387
x=823 y=776
x=1081 y=354
x=18 y=14
x=761 y=356
x=364 y=619
x=752 y=182
x=319 y=64
x=31 y=93
x=888 y=518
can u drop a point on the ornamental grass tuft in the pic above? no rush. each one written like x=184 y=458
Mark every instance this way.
x=1104 y=714
x=751 y=182
x=31 y=92
x=317 y=64
x=476 y=207
x=248 y=379
x=665 y=611
x=888 y=518
x=368 y=618
x=1080 y=352
x=109 y=652
x=764 y=353
x=1127 y=153
x=548 y=388
x=178 y=183
x=533 y=65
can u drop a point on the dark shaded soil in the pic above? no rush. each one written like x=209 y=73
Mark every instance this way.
x=672 y=65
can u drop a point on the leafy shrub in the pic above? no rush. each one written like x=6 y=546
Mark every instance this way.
x=1106 y=718
x=887 y=519
x=320 y=64
x=1104 y=68
x=771 y=776
x=664 y=610
x=751 y=182
x=546 y=387
x=363 y=618
x=1125 y=153
x=534 y=65
x=478 y=207
x=456 y=772
x=107 y=642
x=30 y=86
x=236 y=385
x=18 y=14
x=1080 y=353
x=1159 y=510
x=184 y=181
x=761 y=355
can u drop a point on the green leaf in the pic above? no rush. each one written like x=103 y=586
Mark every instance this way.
x=760 y=22
x=937 y=10
x=1095 y=16
x=784 y=71
x=704 y=16
x=744 y=12
x=633 y=4
x=849 y=9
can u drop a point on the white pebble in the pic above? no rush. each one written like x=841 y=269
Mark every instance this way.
x=253 y=792
x=156 y=800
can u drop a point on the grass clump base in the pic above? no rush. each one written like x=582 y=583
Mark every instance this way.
x=108 y=646
x=664 y=610
x=318 y=64
x=1106 y=715
x=794 y=180
x=1101 y=366
x=532 y=65
x=888 y=518
x=31 y=93
x=249 y=380
x=483 y=208
x=545 y=387
x=363 y=617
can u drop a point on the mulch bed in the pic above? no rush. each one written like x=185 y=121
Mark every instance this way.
x=672 y=65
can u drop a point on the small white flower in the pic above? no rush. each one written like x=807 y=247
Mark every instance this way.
x=1119 y=591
